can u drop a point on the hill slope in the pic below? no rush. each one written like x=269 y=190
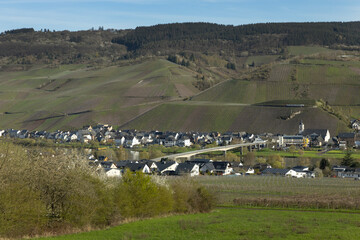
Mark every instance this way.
x=191 y=76
x=74 y=95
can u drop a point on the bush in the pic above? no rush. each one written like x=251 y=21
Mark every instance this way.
x=190 y=197
x=21 y=211
x=93 y=205
x=46 y=190
x=139 y=196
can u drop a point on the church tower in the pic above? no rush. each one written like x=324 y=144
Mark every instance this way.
x=301 y=127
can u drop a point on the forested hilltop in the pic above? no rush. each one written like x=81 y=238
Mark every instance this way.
x=30 y=46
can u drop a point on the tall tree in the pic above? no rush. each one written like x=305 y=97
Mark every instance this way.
x=348 y=160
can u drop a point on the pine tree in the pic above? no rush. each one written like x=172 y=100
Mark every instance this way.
x=348 y=160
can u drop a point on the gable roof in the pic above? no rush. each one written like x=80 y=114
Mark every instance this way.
x=199 y=160
x=136 y=166
x=163 y=165
x=220 y=165
x=106 y=164
x=208 y=167
x=185 y=167
x=346 y=135
x=275 y=171
x=319 y=132
x=122 y=164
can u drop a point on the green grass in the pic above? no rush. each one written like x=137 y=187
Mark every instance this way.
x=260 y=60
x=307 y=154
x=307 y=50
x=235 y=223
x=306 y=192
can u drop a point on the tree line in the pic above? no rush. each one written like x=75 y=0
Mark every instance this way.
x=169 y=39
x=194 y=36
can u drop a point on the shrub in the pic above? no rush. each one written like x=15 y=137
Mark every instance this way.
x=190 y=197
x=139 y=196
x=21 y=211
x=91 y=205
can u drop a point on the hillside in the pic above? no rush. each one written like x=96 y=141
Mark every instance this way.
x=70 y=96
x=191 y=76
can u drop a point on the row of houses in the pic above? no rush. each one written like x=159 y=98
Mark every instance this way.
x=319 y=138
x=131 y=138
x=346 y=172
x=169 y=168
x=197 y=167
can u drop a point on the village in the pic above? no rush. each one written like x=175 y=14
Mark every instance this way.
x=132 y=139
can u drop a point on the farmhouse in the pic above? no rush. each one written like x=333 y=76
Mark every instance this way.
x=349 y=138
x=165 y=167
x=134 y=167
x=222 y=168
x=112 y=172
x=187 y=168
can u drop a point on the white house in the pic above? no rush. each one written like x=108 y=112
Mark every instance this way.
x=135 y=167
x=120 y=140
x=113 y=172
x=131 y=141
x=184 y=141
x=163 y=167
x=222 y=168
x=73 y=137
x=295 y=174
x=356 y=125
x=186 y=168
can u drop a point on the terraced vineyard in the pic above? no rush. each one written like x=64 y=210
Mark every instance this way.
x=158 y=94
x=75 y=95
x=222 y=117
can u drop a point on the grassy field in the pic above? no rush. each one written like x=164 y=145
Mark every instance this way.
x=256 y=207
x=307 y=50
x=308 y=154
x=260 y=60
x=236 y=223
x=328 y=193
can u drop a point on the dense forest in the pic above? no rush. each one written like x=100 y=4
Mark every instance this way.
x=24 y=46
x=255 y=37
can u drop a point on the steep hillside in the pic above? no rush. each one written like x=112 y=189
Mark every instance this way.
x=335 y=81
x=74 y=95
x=256 y=102
x=190 y=76
x=234 y=117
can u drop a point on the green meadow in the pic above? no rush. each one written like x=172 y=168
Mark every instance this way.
x=308 y=50
x=308 y=154
x=235 y=223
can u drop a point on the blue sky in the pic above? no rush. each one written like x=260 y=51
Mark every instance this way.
x=122 y=14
